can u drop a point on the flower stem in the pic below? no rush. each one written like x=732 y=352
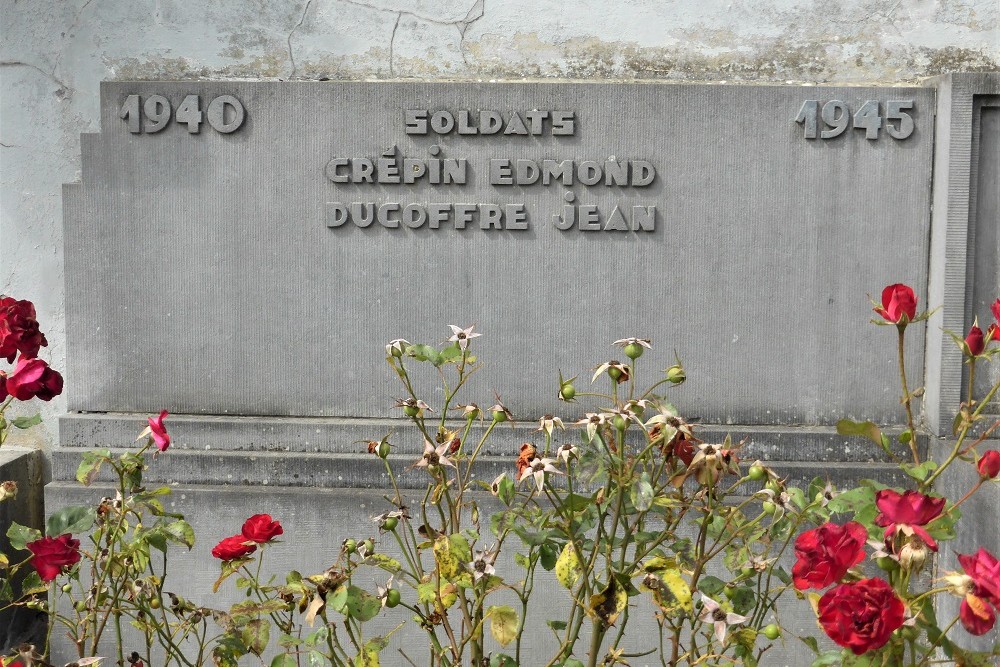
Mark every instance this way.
x=907 y=397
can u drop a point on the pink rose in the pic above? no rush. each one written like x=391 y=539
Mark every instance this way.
x=33 y=378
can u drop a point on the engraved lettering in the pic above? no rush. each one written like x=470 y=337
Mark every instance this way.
x=362 y=214
x=490 y=122
x=336 y=214
x=527 y=172
x=415 y=121
x=643 y=218
x=589 y=218
x=331 y=170
x=414 y=216
x=537 y=119
x=515 y=125
x=442 y=122
x=383 y=215
x=563 y=123
x=517 y=217
x=463 y=214
x=616 y=173
x=616 y=221
x=413 y=169
x=500 y=172
x=589 y=173
x=643 y=173
x=552 y=170
x=490 y=216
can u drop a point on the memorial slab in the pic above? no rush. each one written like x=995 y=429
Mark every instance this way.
x=249 y=248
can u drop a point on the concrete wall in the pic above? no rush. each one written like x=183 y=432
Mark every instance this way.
x=53 y=54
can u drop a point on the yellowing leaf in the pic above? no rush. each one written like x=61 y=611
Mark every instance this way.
x=608 y=604
x=447 y=561
x=568 y=568
x=678 y=588
x=503 y=624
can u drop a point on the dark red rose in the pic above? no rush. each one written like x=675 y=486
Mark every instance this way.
x=159 y=432
x=825 y=554
x=898 y=300
x=233 y=547
x=861 y=615
x=50 y=555
x=3 y=386
x=989 y=464
x=910 y=509
x=33 y=378
x=992 y=333
x=995 y=308
x=19 y=329
x=974 y=339
x=260 y=528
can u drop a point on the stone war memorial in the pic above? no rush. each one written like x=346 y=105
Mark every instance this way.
x=504 y=347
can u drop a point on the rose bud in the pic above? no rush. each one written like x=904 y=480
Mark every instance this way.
x=989 y=464
x=974 y=341
x=899 y=304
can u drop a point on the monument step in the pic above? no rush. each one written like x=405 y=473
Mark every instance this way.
x=366 y=471
x=348 y=436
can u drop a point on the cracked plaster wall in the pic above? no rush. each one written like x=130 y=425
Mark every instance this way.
x=54 y=53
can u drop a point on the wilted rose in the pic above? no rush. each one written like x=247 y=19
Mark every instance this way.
x=862 y=615
x=233 y=547
x=898 y=301
x=19 y=330
x=50 y=555
x=989 y=464
x=976 y=613
x=33 y=378
x=260 y=528
x=912 y=509
x=825 y=554
x=159 y=432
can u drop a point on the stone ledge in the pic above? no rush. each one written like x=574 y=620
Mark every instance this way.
x=347 y=435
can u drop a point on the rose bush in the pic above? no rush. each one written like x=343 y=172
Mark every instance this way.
x=635 y=514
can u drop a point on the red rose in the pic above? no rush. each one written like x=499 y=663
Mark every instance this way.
x=984 y=569
x=992 y=333
x=898 y=300
x=33 y=378
x=51 y=554
x=825 y=554
x=19 y=329
x=976 y=614
x=861 y=615
x=911 y=509
x=159 y=432
x=3 y=386
x=995 y=308
x=233 y=547
x=989 y=464
x=260 y=528
x=975 y=341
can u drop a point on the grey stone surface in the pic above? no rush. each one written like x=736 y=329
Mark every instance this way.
x=202 y=275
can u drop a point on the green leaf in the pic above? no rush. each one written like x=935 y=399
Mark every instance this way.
x=571 y=662
x=558 y=626
x=852 y=501
x=181 y=532
x=26 y=422
x=503 y=624
x=255 y=635
x=711 y=586
x=548 y=553
x=283 y=660
x=90 y=465
x=919 y=472
x=866 y=429
x=811 y=643
x=33 y=584
x=19 y=535
x=387 y=563
x=641 y=493
x=71 y=519
x=827 y=659
x=502 y=660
